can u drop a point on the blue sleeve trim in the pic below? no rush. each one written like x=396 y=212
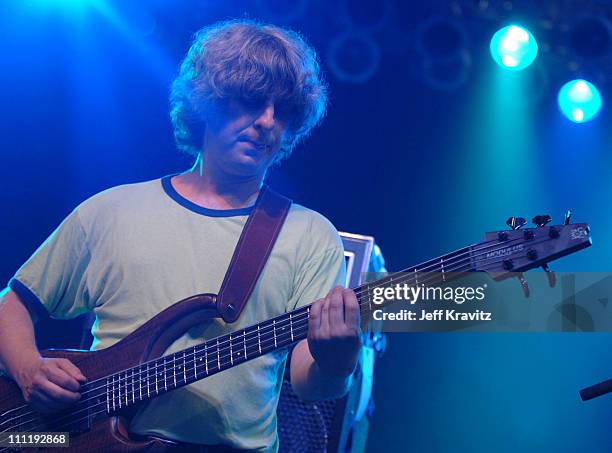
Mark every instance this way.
x=172 y=193
x=30 y=300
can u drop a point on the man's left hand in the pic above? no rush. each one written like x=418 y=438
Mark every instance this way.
x=333 y=332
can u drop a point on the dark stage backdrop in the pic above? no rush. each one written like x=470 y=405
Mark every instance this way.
x=84 y=108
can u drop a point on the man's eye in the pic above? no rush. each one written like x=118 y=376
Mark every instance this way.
x=252 y=104
x=285 y=111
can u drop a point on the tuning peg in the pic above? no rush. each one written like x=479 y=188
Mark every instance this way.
x=552 y=278
x=568 y=216
x=541 y=220
x=515 y=222
x=524 y=285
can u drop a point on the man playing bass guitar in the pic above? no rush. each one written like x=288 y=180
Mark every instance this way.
x=246 y=94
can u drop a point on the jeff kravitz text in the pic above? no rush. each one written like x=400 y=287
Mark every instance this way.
x=435 y=315
x=387 y=295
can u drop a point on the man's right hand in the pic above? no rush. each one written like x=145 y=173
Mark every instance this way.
x=49 y=384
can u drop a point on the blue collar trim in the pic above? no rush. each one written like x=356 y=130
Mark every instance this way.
x=172 y=193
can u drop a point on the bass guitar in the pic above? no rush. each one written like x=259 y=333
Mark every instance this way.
x=135 y=370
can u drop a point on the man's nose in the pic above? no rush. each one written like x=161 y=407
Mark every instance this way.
x=266 y=119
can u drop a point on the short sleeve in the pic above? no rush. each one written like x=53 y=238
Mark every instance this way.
x=55 y=275
x=318 y=276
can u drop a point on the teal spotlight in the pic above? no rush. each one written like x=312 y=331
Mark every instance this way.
x=513 y=48
x=579 y=100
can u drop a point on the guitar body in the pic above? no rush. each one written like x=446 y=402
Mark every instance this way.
x=109 y=434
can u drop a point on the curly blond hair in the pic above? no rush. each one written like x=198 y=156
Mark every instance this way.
x=252 y=62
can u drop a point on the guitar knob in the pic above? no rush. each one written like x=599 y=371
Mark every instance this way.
x=541 y=220
x=567 y=217
x=515 y=222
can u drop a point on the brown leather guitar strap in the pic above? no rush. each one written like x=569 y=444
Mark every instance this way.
x=252 y=252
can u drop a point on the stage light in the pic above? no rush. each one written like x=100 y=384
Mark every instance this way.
x=579 y=100
x=353 y=57
x=513 y=48
x=445 y=54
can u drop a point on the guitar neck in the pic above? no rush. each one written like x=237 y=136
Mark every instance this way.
x=148 y=380
x=435 y=271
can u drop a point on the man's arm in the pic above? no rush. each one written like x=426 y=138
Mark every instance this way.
x=49 y=384
x=322 y=365
x=17 y=344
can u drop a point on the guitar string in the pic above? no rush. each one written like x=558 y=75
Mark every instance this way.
x=212 y=370
x=367 y=290
x=172 y=362
x=97 y=405
x=132 y=393
x=246 y=333
x=424 y=268
x=435 y=262
x=242 y=338
x=301 y=330
x=158 y=379
x=441 y=261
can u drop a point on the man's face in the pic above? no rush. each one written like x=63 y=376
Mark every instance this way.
x=242 y=139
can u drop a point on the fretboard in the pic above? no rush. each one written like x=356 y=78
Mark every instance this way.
x=156 y=377
x=153 y=378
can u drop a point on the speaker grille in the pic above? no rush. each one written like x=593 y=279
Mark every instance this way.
x=304 y=426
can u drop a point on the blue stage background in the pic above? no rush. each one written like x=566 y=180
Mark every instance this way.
x=423 y=169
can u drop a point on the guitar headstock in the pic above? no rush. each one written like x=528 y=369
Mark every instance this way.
x=503 y=254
